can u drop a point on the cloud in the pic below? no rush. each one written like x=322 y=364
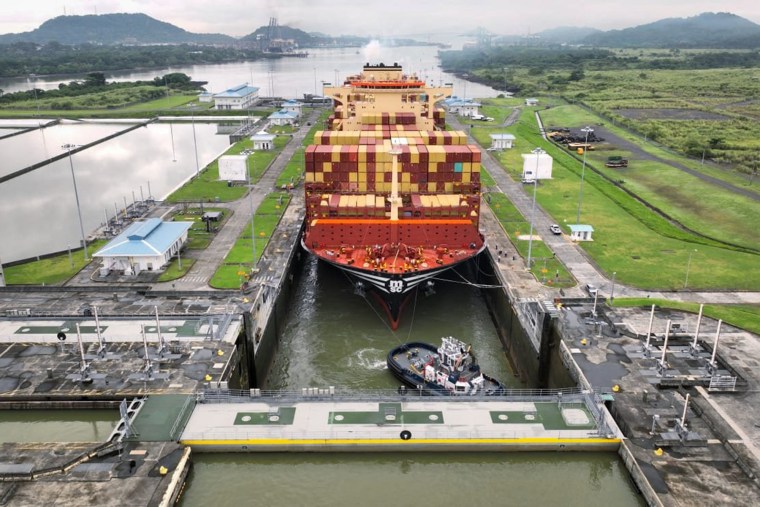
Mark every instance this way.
x=418 y=19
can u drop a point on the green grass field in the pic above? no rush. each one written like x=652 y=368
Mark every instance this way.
x=50 y=271
x=544 y=265
x=643 y=248
x=239 y=262
x=724 y=216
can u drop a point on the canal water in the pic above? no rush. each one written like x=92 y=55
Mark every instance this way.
x=446 y=479
x=335 y=337
x=56 y=425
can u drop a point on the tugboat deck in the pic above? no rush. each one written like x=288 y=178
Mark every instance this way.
x=413 y=424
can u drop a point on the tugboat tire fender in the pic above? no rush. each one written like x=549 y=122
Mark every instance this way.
x=406 y=435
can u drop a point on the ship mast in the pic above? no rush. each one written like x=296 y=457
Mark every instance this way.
x=394 y=198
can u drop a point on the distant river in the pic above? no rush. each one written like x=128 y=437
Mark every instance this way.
x=288 y=77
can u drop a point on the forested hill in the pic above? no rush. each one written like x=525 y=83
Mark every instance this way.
x=112 y=29
x=708 y=30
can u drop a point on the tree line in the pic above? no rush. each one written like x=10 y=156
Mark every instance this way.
x=96 y=82
x=25 y=58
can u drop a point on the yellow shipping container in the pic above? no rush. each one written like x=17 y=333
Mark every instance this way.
x=319 y=178
x=379 y=202
x=362 y=167
x=467 y=167
x=433 y=167
x=363 y=177
x=466 y=177
x=431 y=186
x=362 y=154
x=448 y=186
x=406 y=178
x=415 y=187
x=309 y=177
x=414 y=154
x=353 y=177
x=476 y=167
x=327 y=167
x=335 y=154
x=362 y=186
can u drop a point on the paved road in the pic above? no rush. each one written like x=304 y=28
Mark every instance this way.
x=210 y=259
x=572 y=256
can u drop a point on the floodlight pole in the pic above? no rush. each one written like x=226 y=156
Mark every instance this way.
x=537 y=152
x=68 y=148
x=688 y=265
x=587 y=130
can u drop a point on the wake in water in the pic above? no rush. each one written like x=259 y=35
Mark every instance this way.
x=368 y=359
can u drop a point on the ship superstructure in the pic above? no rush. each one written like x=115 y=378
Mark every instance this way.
x=391 y=197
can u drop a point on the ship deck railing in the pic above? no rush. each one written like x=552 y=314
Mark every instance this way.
x=224 y=395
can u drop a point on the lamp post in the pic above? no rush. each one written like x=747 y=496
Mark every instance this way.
x=612 y=291
x=688 y=265
x=537 y=152
x=587 y=131
x=68 y=148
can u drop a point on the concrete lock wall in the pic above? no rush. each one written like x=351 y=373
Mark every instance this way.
x=539 y=365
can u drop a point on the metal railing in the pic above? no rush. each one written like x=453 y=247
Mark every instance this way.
x=222 y=395
x=190 y=401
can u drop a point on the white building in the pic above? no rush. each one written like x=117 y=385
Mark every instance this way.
x=206 y=97
x=502 y=141
x=531 y=102
x=283 y=117
x=240 y=97
x=143 y=246
x=581 y=232
x=537 y=166
x=263 y=141
x=233 y=168
x=292 y=106
x=463 y=107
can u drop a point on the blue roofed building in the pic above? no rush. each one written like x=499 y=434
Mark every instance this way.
x=292 y=106
x=463 y=107
x=239 y=97
x=581 y=232
x=143 y=246
x=283 y=117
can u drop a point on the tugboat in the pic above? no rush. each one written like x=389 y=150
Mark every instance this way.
x=450 y=370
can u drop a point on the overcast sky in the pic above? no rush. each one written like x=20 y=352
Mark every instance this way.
x=417 y=18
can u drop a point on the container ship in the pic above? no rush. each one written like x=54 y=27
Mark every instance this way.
x=392 y=198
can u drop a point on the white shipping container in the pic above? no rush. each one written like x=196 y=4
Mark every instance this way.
x=233 y=168
x=537 y=166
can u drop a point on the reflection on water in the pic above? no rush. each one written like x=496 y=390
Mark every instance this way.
x=56 y=425
x=330 y=480
x=43 y=201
